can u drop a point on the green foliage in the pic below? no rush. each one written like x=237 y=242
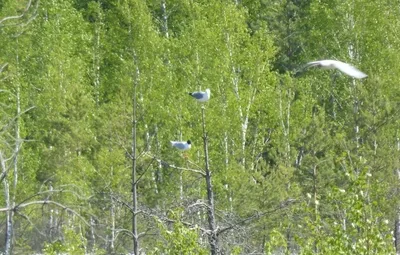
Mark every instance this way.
x=72 y=243
x=277 y=243
x=355 y=227
x=299 y=164
x=179 y=240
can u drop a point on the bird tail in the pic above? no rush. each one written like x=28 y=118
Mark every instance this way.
x=190 y=93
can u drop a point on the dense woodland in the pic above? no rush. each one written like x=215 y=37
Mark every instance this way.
x=92 y=92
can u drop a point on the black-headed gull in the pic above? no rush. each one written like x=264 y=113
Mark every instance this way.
x=341 y=66
x=201 y=96
x=183 y=146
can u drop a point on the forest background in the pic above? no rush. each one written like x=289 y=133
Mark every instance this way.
x=91 y=93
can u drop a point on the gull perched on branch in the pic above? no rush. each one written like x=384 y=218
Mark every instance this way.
x=341 y=66
x=201 y=96
x=183 y=146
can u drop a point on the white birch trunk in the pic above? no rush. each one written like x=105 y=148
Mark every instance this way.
x=96 y=61
x=284 y=115
x=134 y=178
x=164 y=18
x=112 y=246
x=243 y=114
x=396 y=231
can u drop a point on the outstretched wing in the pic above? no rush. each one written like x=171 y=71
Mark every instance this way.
x=350 y=70
x=300 y=71
x=312 y=64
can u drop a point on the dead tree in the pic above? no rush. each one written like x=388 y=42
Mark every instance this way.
x=213 y=238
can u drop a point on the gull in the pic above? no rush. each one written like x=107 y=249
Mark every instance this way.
x=201 y=96
x=335 y=64
x=182 y=146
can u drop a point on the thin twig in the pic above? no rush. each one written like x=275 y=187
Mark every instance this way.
x=164 y=163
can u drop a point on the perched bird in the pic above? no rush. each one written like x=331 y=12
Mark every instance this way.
x=183 y=146
x=201 y=96
x=335 y=64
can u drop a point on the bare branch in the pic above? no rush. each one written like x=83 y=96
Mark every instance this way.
x=2 y=164
x=30 y=197
x=198 y=203
x=145 y=233
x=25 y=24
x=148 y=166
x=50 y=191
x=4 y=168
x=32 y=223
x=4 y=128
x=125 y=204
x=44 y=202
x=164 y=163
x=256 y=215
x=18 y=16
x=168 y=220
x=3 y=66
x=123 y=231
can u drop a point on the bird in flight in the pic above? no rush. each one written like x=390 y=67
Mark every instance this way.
x=201 y=96
x=341 y=66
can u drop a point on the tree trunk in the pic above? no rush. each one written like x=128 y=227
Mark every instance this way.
x=96 y=60
x=136 y=80
x=397 y=234
x=213 y=238
x=9 y=223
x=284 y=115
x=164 y=18
x=8 y=234
x=112 y=246
x=134 y=170
x=93 y=236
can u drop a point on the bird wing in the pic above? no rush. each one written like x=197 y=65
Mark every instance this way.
x=197 y=95
x=304 y=68
x=312 y=64
x=350 y=70
x=179 y=145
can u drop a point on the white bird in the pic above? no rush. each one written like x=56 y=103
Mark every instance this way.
x=201 y=96
x=183 y=146
x=335 y=64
